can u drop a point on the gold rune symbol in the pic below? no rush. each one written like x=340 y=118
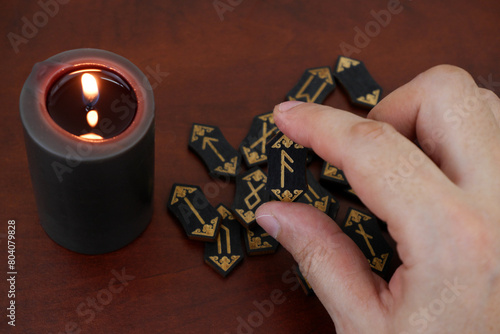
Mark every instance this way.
x=229 y=167
x=224 y=262
x=224 y=259
x=287 y=196
x=263 y=139
x=225 y=213
x=267 y=118
x=257 y=176
x=379 y=263
x=248 y=216
x=287 y=142
x=228 y=241
x=378 y=253
x=255 y=242
x=321 y=203
x=209 y=141
x=200 y=130
x=208 y=229
x=356 y=216
x=322 y=73
x=252 y=156
x=255 y=152
x=284 y=165
x=181 y=192
x=367 y=238
x=253 y=193
x=370 y=99
x=345 y=62
x=333 y=172
x=284 y=168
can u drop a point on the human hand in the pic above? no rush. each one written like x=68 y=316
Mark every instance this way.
x=440 y=204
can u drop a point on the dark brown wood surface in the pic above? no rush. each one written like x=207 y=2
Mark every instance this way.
x=222 y=70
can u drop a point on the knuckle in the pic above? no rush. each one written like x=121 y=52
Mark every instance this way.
x=487 y=95
x=453 y=73
x=372 y=130
x=446 y=79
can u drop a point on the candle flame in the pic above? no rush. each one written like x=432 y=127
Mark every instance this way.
x=90 y=89
x=92 y=118
x=91 y=135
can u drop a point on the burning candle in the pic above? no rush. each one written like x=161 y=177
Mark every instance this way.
x=88 y=118
x=92 y=95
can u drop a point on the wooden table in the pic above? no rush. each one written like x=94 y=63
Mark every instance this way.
x=216 y=62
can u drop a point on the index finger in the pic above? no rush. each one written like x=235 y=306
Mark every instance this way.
x=368 y=152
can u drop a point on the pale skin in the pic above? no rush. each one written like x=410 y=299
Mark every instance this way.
x=441 y=203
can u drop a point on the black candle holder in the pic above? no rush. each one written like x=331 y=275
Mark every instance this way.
x=93 y=193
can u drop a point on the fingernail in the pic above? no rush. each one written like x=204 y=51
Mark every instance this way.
x=285 y=106
x=270 y=224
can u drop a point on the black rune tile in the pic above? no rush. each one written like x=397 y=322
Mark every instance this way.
x=253 y=147
x=352 y=74
x=333 y=175
x=250 y=194
x=226 y=252
x=319 y=197
x=208 y=142
x=314 y=86
x=199 y=219
x=364 y=230
x=334 y=207
x=316 y=195
x=258 y=241
x=286 y=168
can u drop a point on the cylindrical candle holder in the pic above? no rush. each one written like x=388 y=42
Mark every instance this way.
x=92 y=160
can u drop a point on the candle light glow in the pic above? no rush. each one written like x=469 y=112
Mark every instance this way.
x=94 y=104
x=91 y=135
x=91 y=95
x=92 y=118
x=90 y=89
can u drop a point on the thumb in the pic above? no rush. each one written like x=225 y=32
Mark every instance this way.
x=332 y=263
